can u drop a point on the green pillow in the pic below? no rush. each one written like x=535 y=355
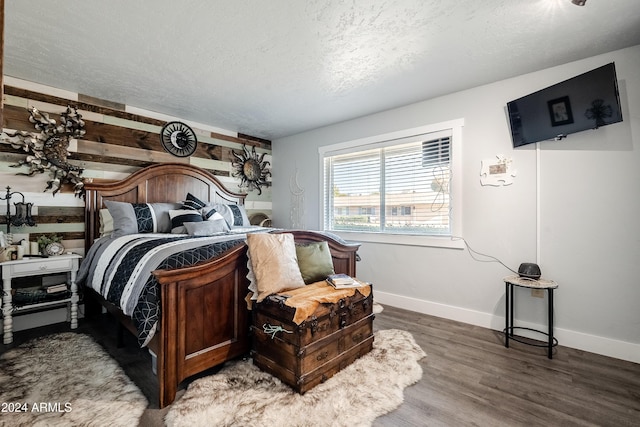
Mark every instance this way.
x=314 y=260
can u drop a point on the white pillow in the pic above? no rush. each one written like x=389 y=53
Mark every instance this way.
x=274 y=263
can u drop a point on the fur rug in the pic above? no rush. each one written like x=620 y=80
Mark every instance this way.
x=242 y=395
x=66 y=380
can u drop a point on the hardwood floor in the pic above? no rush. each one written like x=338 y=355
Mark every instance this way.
x=469 y=378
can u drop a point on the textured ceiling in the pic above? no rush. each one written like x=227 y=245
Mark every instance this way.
x=276 y=68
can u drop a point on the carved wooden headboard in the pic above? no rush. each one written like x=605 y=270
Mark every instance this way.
x=164 y=182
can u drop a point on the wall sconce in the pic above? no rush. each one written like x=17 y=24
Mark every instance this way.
x=23 y=211
x=579 y=2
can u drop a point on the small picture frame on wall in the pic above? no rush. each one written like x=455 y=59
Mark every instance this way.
x=560 y=111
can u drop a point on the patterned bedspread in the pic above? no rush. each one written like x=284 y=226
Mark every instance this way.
x=120 y=270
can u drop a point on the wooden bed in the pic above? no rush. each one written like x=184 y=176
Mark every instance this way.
x=205 y=320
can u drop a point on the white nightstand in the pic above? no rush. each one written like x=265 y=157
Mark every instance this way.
x=36 y=267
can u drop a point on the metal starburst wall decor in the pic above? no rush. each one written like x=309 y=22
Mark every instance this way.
x=251 y=168
x=48 y=150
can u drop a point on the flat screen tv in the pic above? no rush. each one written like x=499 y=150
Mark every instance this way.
x=588 y=101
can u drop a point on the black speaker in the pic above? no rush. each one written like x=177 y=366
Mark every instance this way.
x=529 y=270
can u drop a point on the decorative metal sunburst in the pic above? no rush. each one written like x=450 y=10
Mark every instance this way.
x=599 y=112
x=48 y=150
x=251 y=168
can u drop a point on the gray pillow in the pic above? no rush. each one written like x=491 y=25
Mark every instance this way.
x=133 y=218
x=206 y=228
x=217 y=219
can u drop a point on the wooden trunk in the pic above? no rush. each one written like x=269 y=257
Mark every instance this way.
x=305 y=355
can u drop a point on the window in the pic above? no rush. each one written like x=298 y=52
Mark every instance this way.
x=367 y=211
x=394 y=185
x=400 y=210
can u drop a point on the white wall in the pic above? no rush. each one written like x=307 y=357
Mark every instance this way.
x=589 y=234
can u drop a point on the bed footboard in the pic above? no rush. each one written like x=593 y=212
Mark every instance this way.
x=205 y=320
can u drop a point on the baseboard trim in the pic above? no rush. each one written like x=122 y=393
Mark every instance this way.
x=568 y=338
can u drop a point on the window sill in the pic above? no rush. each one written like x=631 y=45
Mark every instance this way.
x=447 y=242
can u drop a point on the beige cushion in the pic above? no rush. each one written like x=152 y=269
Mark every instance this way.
x=106 y=223
x=274 y=262
x=314 y=260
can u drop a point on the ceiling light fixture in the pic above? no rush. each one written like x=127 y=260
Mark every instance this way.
x=579 y=2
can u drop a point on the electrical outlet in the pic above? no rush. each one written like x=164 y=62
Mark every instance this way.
x=538 y=293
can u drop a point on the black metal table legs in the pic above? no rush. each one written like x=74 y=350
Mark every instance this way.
x=550 y=308
x=509 y=328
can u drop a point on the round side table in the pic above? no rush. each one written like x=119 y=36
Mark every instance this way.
x=550 y=286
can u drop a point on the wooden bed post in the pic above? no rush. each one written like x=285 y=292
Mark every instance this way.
x=168 y=352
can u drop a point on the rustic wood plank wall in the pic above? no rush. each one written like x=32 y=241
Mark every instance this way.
x=116 y=144
x=1 y=54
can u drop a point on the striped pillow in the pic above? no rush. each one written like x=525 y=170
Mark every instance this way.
x=180 y=216
x=193 y=203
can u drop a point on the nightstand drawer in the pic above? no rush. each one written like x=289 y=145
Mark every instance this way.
x=48 y=265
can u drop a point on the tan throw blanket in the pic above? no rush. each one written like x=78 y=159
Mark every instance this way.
x=307 y=299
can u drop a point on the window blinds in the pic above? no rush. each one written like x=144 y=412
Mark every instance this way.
x=399 y=188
